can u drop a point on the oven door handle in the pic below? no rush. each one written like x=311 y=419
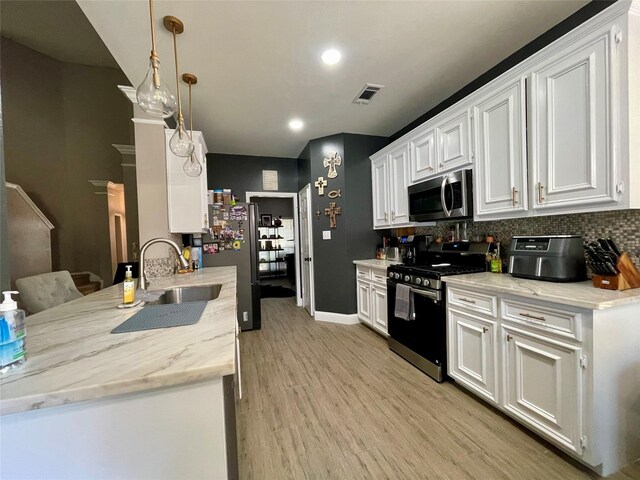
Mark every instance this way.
x=445 y=180
x=424 y=293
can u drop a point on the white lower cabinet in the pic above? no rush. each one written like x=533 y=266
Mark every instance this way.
x=364 y=301
x=543 y=385
x=569 y=374
x=472 y=356
x=379 y=310
x=372 y=297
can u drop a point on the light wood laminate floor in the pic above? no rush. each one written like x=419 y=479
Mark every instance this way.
x=323 y=400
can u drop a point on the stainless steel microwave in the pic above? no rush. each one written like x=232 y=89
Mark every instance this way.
x=443 y=198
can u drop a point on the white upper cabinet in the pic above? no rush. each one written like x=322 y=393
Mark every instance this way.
x=389 y=175
x=422 y=152
x=380 y=188
x=572 y=114
x=500 y=159
x=187 y=196
x=453 y=141
x=399 y=161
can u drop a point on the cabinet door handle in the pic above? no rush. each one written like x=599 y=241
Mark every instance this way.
x=509 y=337
x=514 y=192
x=205 y=221
x=430 y=169
x=441 y=165
x=485 y=329
x=540 y=188
x=528 y=315
x=462 y=299
x=393 y=215
x=386 y=217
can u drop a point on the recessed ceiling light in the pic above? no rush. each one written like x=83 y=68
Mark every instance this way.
x=296 y=124
x=331 y=57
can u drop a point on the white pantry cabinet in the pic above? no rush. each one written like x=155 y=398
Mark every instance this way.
x=389 y=173
x=500 y=176
x=567 y=373
x=187 y=196
x=372 y=296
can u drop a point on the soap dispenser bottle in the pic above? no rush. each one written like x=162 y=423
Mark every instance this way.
x=129 y=287
x=12 y=333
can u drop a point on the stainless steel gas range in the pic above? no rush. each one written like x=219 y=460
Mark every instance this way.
x=422 y=338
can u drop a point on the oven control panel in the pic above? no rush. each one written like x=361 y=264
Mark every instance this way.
x=417 y=280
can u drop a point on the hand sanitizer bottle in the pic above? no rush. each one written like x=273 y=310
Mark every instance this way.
x=129 y=290
x=12 y=333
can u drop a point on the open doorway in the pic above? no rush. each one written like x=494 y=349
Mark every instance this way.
x=279 y=244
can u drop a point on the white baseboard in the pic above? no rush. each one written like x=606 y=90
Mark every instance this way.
x=346 y=319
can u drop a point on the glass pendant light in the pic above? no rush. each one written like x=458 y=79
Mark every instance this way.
x=180 y=143
x=192 y=167
x=153 y=96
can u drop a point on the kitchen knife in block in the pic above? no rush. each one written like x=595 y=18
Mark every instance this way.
x=629 y=276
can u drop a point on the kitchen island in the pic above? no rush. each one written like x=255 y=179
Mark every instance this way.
x=149 y=404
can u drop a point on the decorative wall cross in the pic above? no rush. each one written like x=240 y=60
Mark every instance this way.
x=320 y=184
x=331 y=212
x=331 y=162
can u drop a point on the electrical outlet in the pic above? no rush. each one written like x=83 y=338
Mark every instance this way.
x=326 y=234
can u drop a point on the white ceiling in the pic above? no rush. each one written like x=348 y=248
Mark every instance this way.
x=58 y=29
x=258 y=63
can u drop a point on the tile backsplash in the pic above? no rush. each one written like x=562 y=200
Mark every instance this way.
x=623 y=226
x=164 y=267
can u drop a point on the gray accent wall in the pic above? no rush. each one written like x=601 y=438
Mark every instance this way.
x=276 y=207
x=243 y=173
x=354 y=237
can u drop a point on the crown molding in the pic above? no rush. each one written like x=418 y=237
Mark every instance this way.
x=125 y=149
x=129 y=92
x=150 y=122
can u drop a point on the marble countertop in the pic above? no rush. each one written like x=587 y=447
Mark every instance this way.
x=72 y=356
x=576 y=294
x=375 y=263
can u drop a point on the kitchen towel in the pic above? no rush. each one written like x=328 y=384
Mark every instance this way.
x=404 y=303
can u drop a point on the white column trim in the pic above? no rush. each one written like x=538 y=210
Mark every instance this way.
x=125 y=149
x=129 y=92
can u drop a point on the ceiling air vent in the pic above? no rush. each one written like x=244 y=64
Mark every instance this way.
x=367 y=93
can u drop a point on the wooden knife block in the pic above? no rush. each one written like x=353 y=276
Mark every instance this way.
x=628 y=276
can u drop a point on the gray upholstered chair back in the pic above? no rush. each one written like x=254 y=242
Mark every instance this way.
x=46 y=290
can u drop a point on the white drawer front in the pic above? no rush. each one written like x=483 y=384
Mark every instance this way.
x=477 y=302
x=566 y=324
x=379 y=276
x=363 y=273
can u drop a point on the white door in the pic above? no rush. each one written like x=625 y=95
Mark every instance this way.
x=379 y=310
x=453 y=141
x=422 y=152
x=472 y=353
x=398 y=167
x=543 y=385
x=572 y=143
x=501 y=162
x=306 y=249
x=380 y=191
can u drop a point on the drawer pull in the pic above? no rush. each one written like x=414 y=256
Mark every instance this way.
x=528 y=315
x=509 y=337
x=462 y=299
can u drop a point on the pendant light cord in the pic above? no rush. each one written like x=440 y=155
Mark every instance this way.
x=175 y=55
x=190 y=115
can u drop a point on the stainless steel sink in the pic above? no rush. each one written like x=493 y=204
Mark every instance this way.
x=189 y=294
